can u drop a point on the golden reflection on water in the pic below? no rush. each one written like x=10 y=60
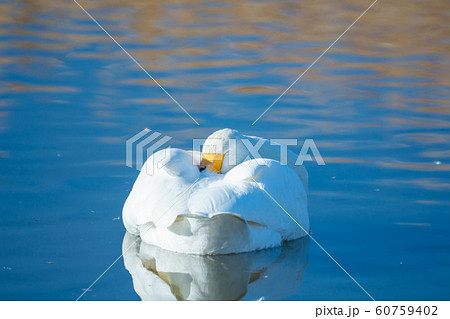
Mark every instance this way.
x=247 y=48
x=390 y=29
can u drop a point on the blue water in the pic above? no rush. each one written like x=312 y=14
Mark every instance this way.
x=376 y=105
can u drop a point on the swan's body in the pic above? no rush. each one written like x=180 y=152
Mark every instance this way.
x=182 y=209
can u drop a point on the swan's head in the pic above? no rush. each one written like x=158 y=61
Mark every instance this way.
x=222 y=151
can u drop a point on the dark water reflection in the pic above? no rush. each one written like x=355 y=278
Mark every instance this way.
x=376 y=105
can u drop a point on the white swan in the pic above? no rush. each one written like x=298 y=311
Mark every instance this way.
x=232 y=206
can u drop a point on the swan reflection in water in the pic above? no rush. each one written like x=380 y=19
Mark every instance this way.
x=269 y=274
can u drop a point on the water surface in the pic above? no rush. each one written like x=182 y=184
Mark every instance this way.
x=376 y=105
